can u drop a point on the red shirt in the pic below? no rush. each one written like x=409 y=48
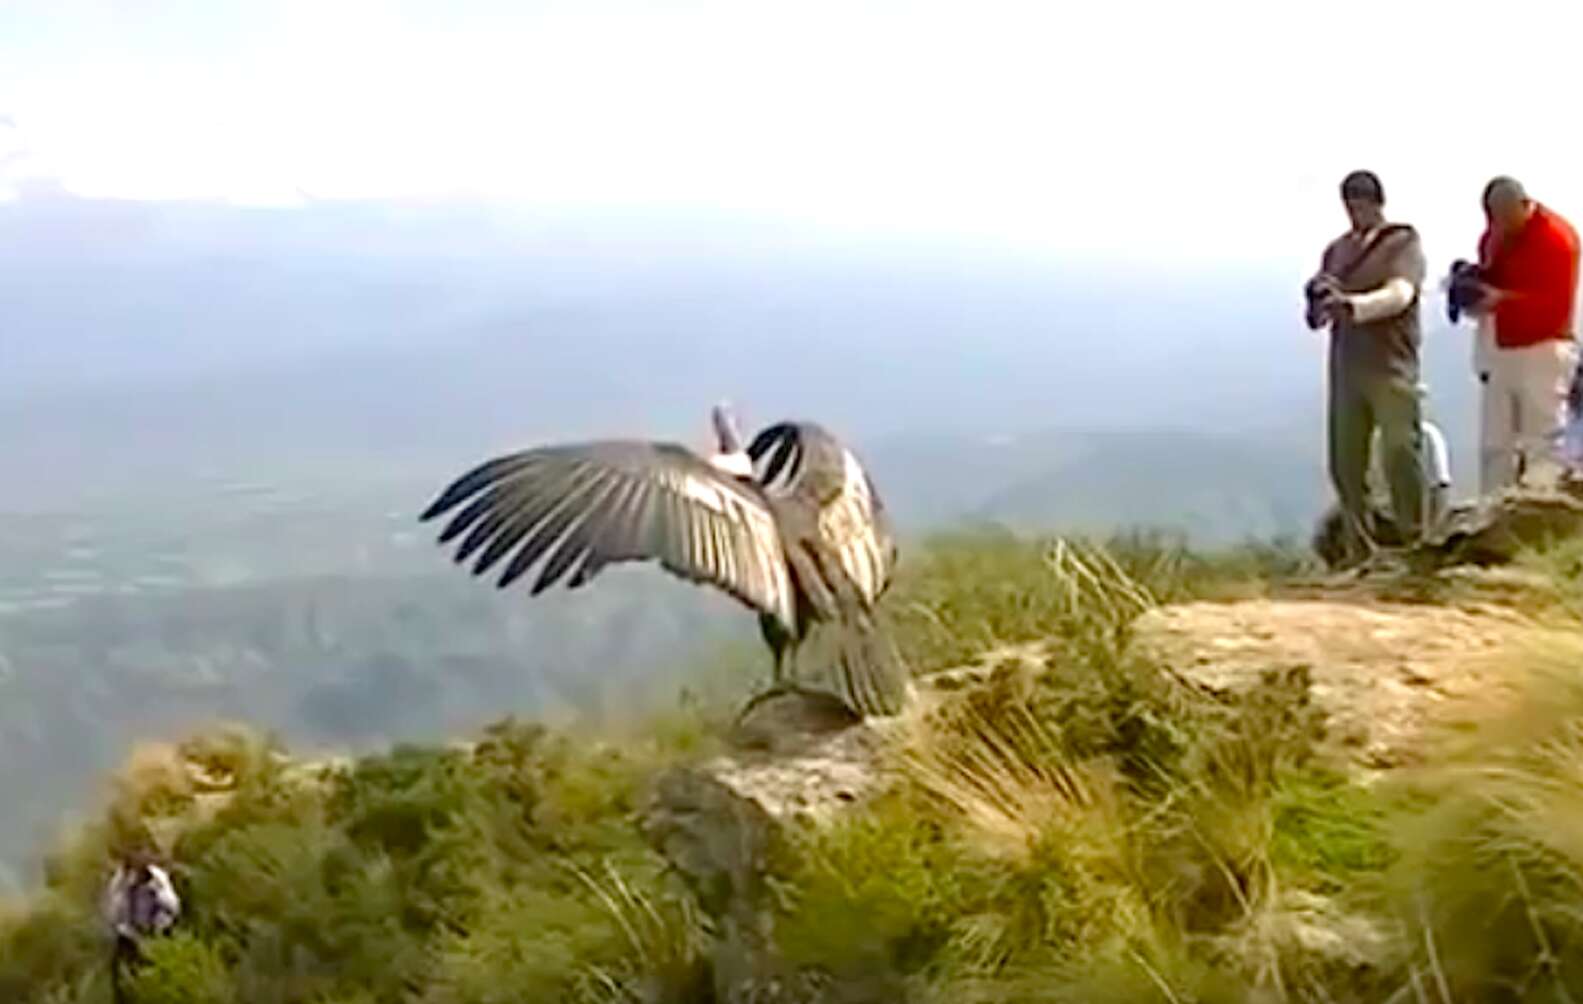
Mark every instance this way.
x=1538 y=266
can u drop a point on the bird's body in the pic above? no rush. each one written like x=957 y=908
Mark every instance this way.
x=790 y=526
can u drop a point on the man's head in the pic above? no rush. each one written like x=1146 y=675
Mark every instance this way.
x=1364 y=197
x=1506 y=203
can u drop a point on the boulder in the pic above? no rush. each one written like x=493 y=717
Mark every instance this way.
x=1497 y=531
x=1489 y=532
x=800 y=760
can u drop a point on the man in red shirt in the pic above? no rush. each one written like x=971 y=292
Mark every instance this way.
x=1528 y=258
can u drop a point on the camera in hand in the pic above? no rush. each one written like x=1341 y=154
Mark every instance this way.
x=1321 y=292
x=1465 y=292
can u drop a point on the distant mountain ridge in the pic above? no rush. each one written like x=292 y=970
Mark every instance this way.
x=1216 y=489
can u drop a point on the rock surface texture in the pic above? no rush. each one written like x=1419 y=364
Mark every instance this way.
x=797 y=764
x=1380 y=672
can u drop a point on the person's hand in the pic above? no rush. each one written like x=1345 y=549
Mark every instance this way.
x=1492 y=295
x=1468 y=293
x=1322 y=285
x=1339 y=308
x=1320 y=292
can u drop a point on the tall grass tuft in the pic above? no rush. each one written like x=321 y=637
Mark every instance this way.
x=1490 y=882
x=665 y=941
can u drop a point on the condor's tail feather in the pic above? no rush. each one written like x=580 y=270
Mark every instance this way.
x=868 y=669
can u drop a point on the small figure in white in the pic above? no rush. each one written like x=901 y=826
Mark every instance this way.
x=139 y=902
x=1434 y=462
x=1434 y=459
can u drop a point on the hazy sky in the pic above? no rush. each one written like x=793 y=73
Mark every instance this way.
x=1194 y=133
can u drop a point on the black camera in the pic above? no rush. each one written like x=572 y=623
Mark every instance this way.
x=1465 y=292
x=1320 y=292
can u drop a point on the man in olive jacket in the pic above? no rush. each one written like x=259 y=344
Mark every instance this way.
x=1367 y=292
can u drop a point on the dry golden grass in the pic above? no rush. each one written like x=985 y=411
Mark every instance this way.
x=1006 y=778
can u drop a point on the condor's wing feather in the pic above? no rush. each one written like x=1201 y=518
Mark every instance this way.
x=800 y=463
x=572 y=510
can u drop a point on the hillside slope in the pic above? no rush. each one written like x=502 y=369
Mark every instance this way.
x=1132 y=773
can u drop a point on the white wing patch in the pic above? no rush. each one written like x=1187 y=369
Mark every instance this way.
x=761 y=567
x=767 y=562
x=705 y=493
x=847 y=523
x=856 y=482
x=737 y=464
x=573 y=510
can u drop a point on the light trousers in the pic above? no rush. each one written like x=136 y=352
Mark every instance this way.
x=1523 y=412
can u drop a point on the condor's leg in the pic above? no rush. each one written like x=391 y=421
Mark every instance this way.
x=782 y=646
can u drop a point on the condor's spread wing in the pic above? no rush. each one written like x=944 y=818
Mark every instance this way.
x=581 y=507
x=801 y=463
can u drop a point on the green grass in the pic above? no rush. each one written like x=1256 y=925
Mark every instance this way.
x=1089 y=829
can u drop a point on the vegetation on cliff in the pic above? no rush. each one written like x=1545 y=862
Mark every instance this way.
x=1098 y=827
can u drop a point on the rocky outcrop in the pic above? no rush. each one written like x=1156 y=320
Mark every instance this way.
x=1381 y=673
x=1490 y=532
x=1496 y=532
x=798 y=762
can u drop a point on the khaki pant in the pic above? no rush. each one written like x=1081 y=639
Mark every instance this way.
x=1363 y=400
x=1523 y=413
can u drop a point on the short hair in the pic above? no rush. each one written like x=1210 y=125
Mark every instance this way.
x=1363 y=185
x=1506 y=186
